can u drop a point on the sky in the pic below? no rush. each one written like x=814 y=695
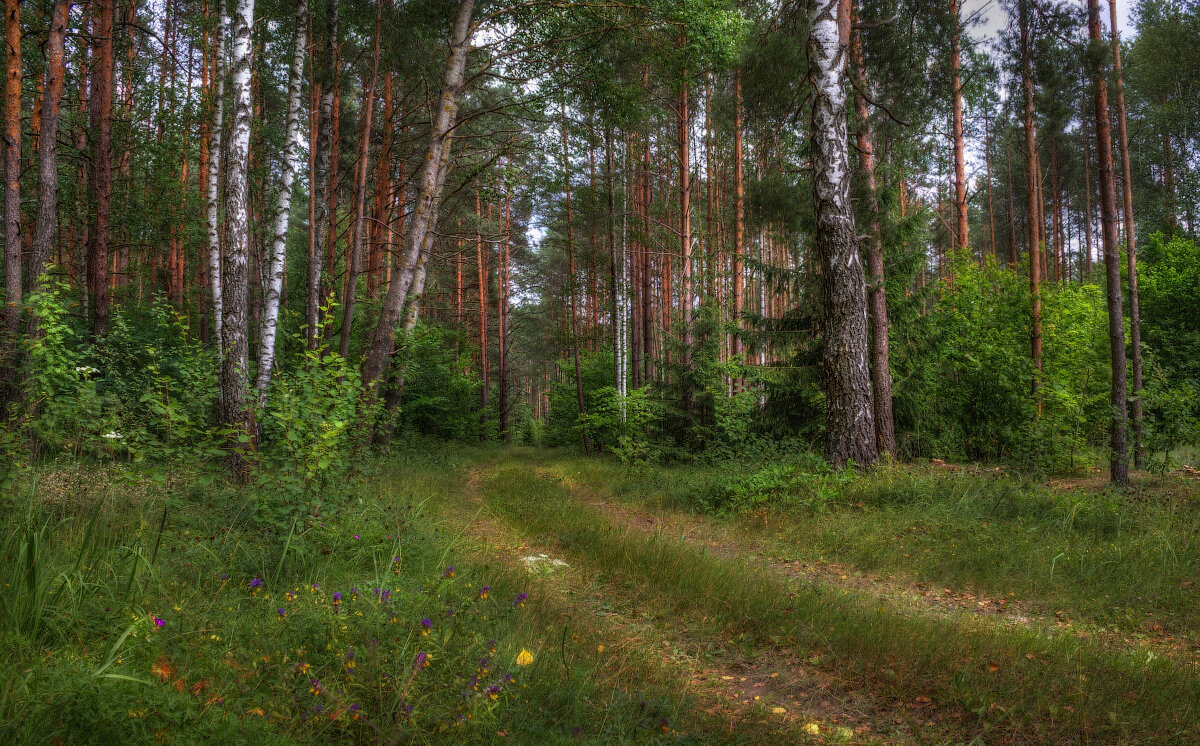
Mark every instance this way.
x=993 y=17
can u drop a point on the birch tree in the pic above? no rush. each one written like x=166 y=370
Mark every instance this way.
x=850 y=423
x=283 y=205
x=234 y=371
x=212 y=187
x=425 y=213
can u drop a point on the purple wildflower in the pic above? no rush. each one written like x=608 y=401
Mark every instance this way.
x=448 y=572
x=427 y=625
x=256 y=583
x=520 y=601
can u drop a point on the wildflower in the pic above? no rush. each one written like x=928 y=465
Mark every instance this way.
x=524 y=658
x=385 y=596
x=353 y=594
x=303 y=668
x=315 y=587
x=224 y=576
x=491 y=646
x=290 y=595
x=337 y=598
x=315 y=687
x=282 y=612
x=391 y=617
x=255 y=584
x=493 y=691
x=421 y=661
x=350 y=664
x=448 y=572
x=665 y=724
x=508 y=678
x=520 y=600
x=356 y=537
x=158 y=622
x=113 y=435
x=482 y=670
x=354 y=711
x=426 y=626
x=484 y=591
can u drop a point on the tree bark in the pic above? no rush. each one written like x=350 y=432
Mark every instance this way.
x=960 y=160
x=572 y=282
x=687 y=300
x=739 y=225
x=481 y=265
x=212 y=188
x=101 y=106
x=360 y=192
x=1118 y=463
x=1031 y=189
x=235 y=364
x=13 y=269
x=502 y=268
x=881 y=375
x=283 y=205
x=47 y=211
x=321 y=185
x=424 y=219
x=1135 y=322
x=850 y=422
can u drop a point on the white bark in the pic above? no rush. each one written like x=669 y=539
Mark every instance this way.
x=283 y=206
x=235 y=372
x=214 y=173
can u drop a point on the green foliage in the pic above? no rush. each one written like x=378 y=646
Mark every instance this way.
x=624 y=425
x=441 y=387
x=808 y=484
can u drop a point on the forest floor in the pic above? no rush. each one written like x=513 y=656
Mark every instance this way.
x=913 y=604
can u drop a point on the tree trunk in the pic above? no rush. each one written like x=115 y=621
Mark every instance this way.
x=47 y=211
x=572 y=282
x=212 y=188
x=1012 y=215
x=360 y=192
x=960 y=160
x=850 y=422
x=283 y=205
x=739 y=225
x=1135 y=322
x=482 y=262
x=1031 y=189
x=424 y=219
x=881 y=375
x=685 y=241
x=235 y=364
x=502 y=320
x=1119 y=465
x=383 y=188
x=13 y=270
x=987 y=160
x=101 y=111
x=1087 y=187
x=321 y=186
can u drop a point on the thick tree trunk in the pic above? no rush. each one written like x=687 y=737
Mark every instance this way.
x=960 y=160
x=321 y=186
x=572 y=282
x=13 y=270
x=1087 y=187
x=101 y=111
x=380 y=229
x=1119 y=463
x=360 y=192
x=850 y=422
x=424 y=219
x=881 y=375
x=235 y=285
x=1031 y=190
x=212 y=188
x=1135 y=322
x=283 y=205
x=47 y=210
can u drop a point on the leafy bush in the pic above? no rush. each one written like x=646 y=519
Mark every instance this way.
x=808 y=484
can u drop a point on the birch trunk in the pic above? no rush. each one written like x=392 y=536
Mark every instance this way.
x=235 y=365
x=212 y=212
x=424 y=219
x=283 y=205
x=960 y=160
x=850 y=423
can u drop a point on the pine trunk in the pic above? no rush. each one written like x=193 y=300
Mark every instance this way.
x=101 y=112
x=1031 y=188
x=321 y=186
x=47 y=211
x=1118 y=464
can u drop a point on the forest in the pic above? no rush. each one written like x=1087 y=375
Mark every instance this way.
x=556 y=371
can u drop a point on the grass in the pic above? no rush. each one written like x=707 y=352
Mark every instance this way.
x=626 y=642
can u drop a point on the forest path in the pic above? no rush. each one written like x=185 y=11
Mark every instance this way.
x=759 y=686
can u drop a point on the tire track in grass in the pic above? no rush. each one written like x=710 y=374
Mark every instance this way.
x=782 y=689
